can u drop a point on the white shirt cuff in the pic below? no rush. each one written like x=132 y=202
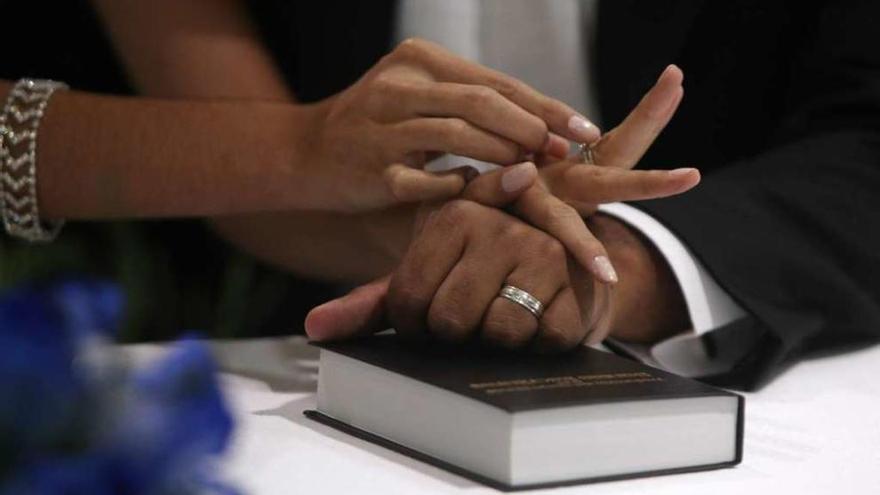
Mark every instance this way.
x=708 y=305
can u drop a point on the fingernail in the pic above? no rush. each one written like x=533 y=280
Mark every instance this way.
x=604 y=270
x=585 y=130
x=517 y=177
x=682 y=171
x=669 y=68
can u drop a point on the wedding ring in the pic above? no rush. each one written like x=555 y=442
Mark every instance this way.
x=586 y=151
x=524 y=299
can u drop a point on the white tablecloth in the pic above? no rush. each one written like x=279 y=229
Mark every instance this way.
x=815 y=430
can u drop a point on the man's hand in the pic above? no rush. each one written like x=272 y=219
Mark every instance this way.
x=448 y=282
x=647 y=304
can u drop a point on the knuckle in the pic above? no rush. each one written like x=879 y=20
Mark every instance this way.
x=480 y=96
x=446 y=323
x=405 y=296
x=384 y=84
x=557 y=337
x=509 y=152
x=515 y=233
x=552 y=250
x=538 y=134
x=400 y=189
x=507 y=329
x=456 y=212
x=507 y=87
x=455 y=130
x=409 y=48
x=560 y=214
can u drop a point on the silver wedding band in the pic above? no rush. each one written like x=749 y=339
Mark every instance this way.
x=587 y=154
x=524 y=299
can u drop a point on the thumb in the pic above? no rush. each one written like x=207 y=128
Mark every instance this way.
x=503 y=186
x=411 y=185
x=360 y=312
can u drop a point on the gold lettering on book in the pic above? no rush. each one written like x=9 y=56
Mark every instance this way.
x=567 y=381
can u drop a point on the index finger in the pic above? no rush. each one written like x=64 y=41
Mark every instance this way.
x=560 y=118
x=625 y=145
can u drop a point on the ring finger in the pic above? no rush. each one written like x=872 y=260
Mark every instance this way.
x=562 y=327
x=509 y=324
x=462 y=298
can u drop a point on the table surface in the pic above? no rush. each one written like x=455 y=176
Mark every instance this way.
x=815 y=429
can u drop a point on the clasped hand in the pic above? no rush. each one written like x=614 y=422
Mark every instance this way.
x=521 y=226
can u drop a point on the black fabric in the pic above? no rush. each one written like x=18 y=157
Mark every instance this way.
x=60 y=39
x=323 y=47
x=782 y=114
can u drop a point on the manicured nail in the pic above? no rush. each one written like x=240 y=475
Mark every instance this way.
x=518 y=177
x=585 y=130
x=604 y=270
x=669 y=68
x=682 y=171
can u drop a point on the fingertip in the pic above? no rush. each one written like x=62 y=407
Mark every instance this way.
x=603 y=269
x=673 y=73
x=318 y=322
x=686 y=178
x=417 y=185
x=582 y=130
x=518 y=177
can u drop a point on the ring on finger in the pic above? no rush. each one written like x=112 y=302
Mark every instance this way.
x=524 y=299
x=586 y=151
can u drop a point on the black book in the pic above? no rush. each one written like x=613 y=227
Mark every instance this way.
x=517 y=421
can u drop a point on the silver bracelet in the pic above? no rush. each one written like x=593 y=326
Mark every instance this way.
x=19 y=124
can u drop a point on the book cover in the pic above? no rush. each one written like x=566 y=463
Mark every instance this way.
x=519 y=381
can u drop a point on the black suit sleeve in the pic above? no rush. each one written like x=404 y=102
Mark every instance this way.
x=793 y=233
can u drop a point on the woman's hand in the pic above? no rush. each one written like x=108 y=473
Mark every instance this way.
x=447 y=286
x=367 y=145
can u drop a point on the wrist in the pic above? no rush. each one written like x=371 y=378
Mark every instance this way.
x=389 y=233
x=648 y=305
x=275 y=142
x=316 y=160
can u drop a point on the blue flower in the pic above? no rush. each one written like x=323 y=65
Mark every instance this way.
x=70 y=426
x=176 y=419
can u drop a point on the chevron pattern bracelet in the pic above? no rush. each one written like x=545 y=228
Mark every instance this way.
x=19 y=124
